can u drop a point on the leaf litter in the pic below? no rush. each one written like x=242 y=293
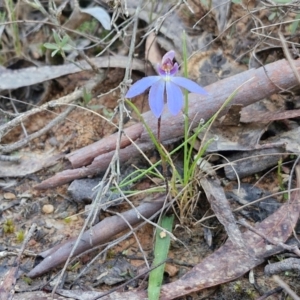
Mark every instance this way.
x=269 y=125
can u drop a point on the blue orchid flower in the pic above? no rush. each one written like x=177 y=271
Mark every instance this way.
x=165 y=83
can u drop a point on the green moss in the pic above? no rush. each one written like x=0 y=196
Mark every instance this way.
x=8 y=226
x=237 y=287
x=88 y=26
x=20 y=235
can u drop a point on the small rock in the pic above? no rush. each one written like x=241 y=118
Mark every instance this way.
x=32 y=242
x=9 y=196
x=48 y=209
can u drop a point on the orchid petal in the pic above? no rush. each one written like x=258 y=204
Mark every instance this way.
x=169 y=56
x=174 y=98
x=161 y=71
x=174 y=70
x=141 y=85
x=156 y=98
x=189 y=85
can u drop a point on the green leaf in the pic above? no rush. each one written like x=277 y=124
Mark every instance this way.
x=54 y=52
x=87 y=97
x=64 y=41
x=51 y=46
x=162 y=244
x=56 y=37
x=295 y=24
x=67 y=48
x=272 y=16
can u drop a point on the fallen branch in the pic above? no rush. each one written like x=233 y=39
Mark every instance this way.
x=262 y=82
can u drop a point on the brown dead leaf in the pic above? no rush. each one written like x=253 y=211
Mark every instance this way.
x=232 y=118
x=216 y=196
x=229 y=263
x=152 y=52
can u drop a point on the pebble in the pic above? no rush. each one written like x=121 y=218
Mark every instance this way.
x=48 y=209
x=9 y=196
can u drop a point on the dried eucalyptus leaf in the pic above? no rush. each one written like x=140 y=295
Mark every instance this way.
x=100 y=14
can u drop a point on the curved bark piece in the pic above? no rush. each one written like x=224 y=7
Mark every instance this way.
x=260 y=83
x=98 y=234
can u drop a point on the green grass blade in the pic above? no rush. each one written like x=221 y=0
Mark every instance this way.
x=162 y=244
x=186 y=147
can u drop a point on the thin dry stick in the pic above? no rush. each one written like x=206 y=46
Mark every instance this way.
x=16 y=111
x=288 y=56
x=285 y=287
x=45 y=129
x=122 y=108
x=27 y=238
x=20 y=118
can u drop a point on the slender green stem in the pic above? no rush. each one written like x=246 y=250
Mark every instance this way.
x=186 y=160
x=12 y=17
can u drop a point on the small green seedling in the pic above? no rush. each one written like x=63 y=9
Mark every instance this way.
x=67 y=220
x=76 y=266
x=60 y=46
x=87 y=97
x=27 y=280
